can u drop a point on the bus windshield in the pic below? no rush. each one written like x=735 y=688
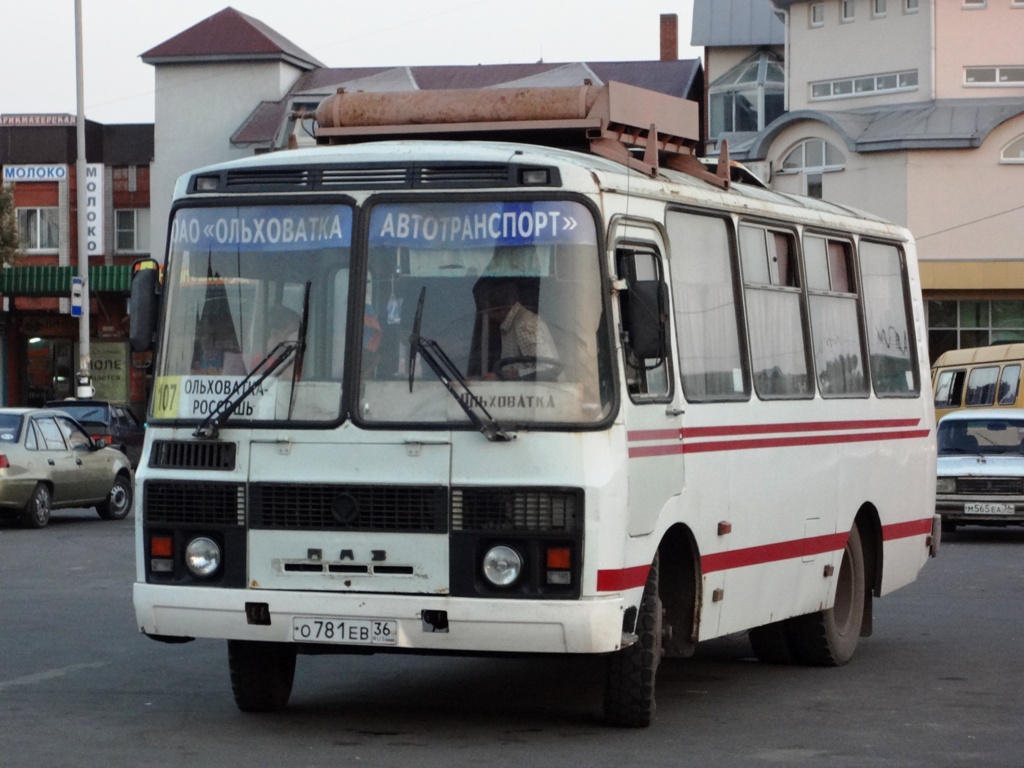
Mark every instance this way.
x=236 y=289
x=507 y=293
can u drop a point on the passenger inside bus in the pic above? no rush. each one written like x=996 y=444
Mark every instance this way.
x=527 y=349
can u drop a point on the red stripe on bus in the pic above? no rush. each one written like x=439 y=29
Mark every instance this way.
x=772 y=553
x=906 y=530
x=644 y=435
x=627 y=578
x=620 y=579
x=642 y=451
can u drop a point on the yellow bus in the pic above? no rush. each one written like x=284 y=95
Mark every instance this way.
x=977 y=377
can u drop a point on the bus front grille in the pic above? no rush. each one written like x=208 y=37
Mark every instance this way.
x=517 y=509
x=289 y=506
x=192 y=454
x=186 y=503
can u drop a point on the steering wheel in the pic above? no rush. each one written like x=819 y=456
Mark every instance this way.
x=544 y=368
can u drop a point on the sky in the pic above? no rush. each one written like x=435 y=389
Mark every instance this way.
x=37 y=38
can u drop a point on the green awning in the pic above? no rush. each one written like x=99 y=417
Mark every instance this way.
x=56 y=281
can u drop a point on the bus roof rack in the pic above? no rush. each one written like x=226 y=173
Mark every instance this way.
x=639 y=128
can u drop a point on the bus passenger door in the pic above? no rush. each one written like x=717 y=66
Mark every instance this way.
x=653 y=406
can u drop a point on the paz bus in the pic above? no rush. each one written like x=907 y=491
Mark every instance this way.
x=552 y=386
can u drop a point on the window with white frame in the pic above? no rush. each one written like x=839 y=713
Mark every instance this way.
x=131 y=230
x=864 y=85
x=1013 y=152
x=911 y=6
x=878 y=8
x=38 y=229
x=848 y=10
x=994 y=77
x=975 y=3
x=817 y=11
x=748 y=96
x=813 y=158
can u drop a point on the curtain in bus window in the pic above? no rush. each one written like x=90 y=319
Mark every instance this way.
x=705 y=309
x=890 y=342
x=838 y=360
x=778 y=357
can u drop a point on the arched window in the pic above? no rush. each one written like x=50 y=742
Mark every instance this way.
x=813 y=158
x=1013 y=152
x=748 y=96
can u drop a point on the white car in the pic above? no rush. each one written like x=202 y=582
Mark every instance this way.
x=981 y=468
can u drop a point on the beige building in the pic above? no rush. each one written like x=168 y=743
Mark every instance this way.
x=914 y=110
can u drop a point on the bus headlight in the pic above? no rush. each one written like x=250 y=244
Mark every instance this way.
x=502 y=566
x=203 y=557
x=945 y=485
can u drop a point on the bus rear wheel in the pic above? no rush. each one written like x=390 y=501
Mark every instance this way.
x=261 y=674
x=629 y=684
x=829 y=638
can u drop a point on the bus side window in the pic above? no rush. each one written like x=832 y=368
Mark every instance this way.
x=1009 y=385
x=981 y=386
x=949 y=389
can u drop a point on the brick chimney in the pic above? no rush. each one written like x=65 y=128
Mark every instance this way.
x=669 y=37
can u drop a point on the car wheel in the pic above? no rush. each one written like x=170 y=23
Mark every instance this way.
x=119 y=500
x=36 y=513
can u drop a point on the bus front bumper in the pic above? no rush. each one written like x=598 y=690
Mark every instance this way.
x=422 y=622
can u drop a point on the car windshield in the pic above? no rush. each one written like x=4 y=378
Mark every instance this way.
x=502 y=296
x=242 y=282
x=986 y=437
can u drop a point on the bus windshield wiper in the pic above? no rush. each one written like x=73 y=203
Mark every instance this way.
x=449 y=374
x=282 y=352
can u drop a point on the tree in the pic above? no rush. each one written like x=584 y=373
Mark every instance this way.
x=8 y=226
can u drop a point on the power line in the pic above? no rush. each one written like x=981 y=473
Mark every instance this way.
x=969 y=223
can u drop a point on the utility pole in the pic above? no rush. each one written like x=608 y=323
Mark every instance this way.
x=83 y=380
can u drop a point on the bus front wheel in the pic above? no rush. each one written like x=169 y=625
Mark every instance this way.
x=261 y=674
x=828 y=638
x=629 y=685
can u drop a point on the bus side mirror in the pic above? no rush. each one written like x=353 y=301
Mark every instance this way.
x=144 y=304
x=644 y=318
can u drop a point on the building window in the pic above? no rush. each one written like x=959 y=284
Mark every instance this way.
x=994 y=76
x=975 y=3
x=973 y=323
x=131 y=230
x=878 y=8
x=866 y=85
x=817 y=14
x=748 y=96
x=910 y=6
x=1013 y=152
x=812 y=158
x=848 y=10
x=38 y=229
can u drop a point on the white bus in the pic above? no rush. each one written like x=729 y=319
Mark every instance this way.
x=525 y=400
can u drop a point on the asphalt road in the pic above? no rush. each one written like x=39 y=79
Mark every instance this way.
x=939 y=684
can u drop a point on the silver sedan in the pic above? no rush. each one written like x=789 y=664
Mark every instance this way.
x=48 y=461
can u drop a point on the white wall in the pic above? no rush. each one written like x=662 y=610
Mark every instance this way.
x=198 y=108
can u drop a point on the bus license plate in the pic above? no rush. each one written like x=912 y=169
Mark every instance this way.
x=987 y=508
x=311 y=629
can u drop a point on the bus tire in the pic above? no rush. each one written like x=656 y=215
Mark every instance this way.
x=829 y=638
x=629 y=683
x=772 y=643
x=261 y=674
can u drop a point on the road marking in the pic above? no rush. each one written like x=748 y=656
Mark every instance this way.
x=49 y=674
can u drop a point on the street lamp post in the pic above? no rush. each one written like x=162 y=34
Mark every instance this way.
x=83 y=380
